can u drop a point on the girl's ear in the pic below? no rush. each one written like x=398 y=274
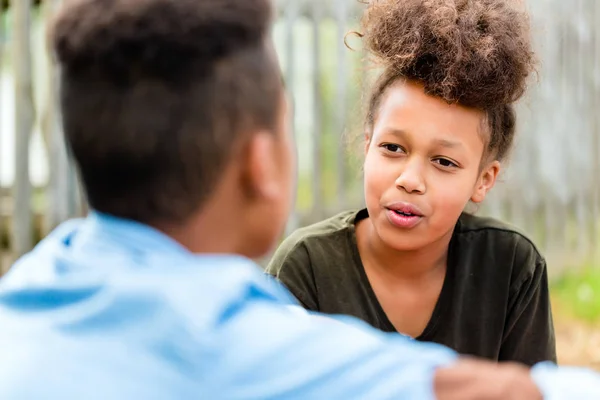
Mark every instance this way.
x=367 y=141
x=486 y=182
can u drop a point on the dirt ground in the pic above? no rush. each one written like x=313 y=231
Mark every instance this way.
x=577 y=343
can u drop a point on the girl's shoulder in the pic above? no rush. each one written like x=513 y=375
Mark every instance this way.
x=496 y=246
x=320 y=240
x=481 y=230
x=314 y=256
x=332 y=225
x=472 y=223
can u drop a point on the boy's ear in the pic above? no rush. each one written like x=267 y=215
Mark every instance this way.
x=486 y=181
x=259 y=169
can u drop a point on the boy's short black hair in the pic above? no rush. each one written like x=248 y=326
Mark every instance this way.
x=155 y=95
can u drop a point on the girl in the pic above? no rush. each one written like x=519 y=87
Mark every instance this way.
x=440 y=122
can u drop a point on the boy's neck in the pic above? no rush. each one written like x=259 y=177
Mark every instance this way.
x=202 y=238
x=413 y=265
x=211 y=230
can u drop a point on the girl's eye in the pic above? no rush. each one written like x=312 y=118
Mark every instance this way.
x=393 y=148
x=445 y=163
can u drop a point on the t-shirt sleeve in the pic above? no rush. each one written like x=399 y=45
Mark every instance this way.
x=291 y=265
x=529 y=330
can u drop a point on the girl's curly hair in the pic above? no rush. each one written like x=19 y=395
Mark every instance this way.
x=477 y=53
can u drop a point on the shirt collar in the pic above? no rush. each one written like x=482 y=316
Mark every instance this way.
x=105 y=229
x=101 y=233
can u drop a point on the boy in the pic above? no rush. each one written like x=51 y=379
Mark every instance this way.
x=174 y=112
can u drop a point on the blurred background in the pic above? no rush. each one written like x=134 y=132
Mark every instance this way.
x=550 y=188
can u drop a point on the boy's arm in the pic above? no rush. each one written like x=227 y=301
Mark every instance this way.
x=276 y=353
x=529 y=331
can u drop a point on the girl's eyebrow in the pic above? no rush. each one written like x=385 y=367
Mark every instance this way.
x=451 y=144
x=447 y=143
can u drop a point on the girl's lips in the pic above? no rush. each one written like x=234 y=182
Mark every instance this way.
x=405 y=208
x=402 y=220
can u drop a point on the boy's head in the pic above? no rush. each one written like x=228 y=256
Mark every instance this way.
x=175 y=114
x=441 y=117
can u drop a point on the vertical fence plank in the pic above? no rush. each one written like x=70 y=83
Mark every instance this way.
x=22 y=237
x=80 y=206
x=549 y=52
x=594 y=14
x=3 y=233
x=341 y=11
x=317 y=134
x=582 y=205
x=567 y=95
x=557 y=90
x=291 y=15
x=59 y=186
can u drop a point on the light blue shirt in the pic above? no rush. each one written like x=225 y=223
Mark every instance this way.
x=110 y=309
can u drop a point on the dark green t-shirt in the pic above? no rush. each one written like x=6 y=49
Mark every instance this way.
x=494 y=301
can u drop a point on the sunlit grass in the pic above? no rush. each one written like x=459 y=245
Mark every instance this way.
x=577 y=294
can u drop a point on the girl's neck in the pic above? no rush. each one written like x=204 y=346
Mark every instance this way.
x=410 y=265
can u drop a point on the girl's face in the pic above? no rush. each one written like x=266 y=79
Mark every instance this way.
x=423 y=164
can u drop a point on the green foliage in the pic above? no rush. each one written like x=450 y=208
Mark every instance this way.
x=334 y=139
x=578 y=293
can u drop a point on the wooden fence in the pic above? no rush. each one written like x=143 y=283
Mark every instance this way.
x=550 y=189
